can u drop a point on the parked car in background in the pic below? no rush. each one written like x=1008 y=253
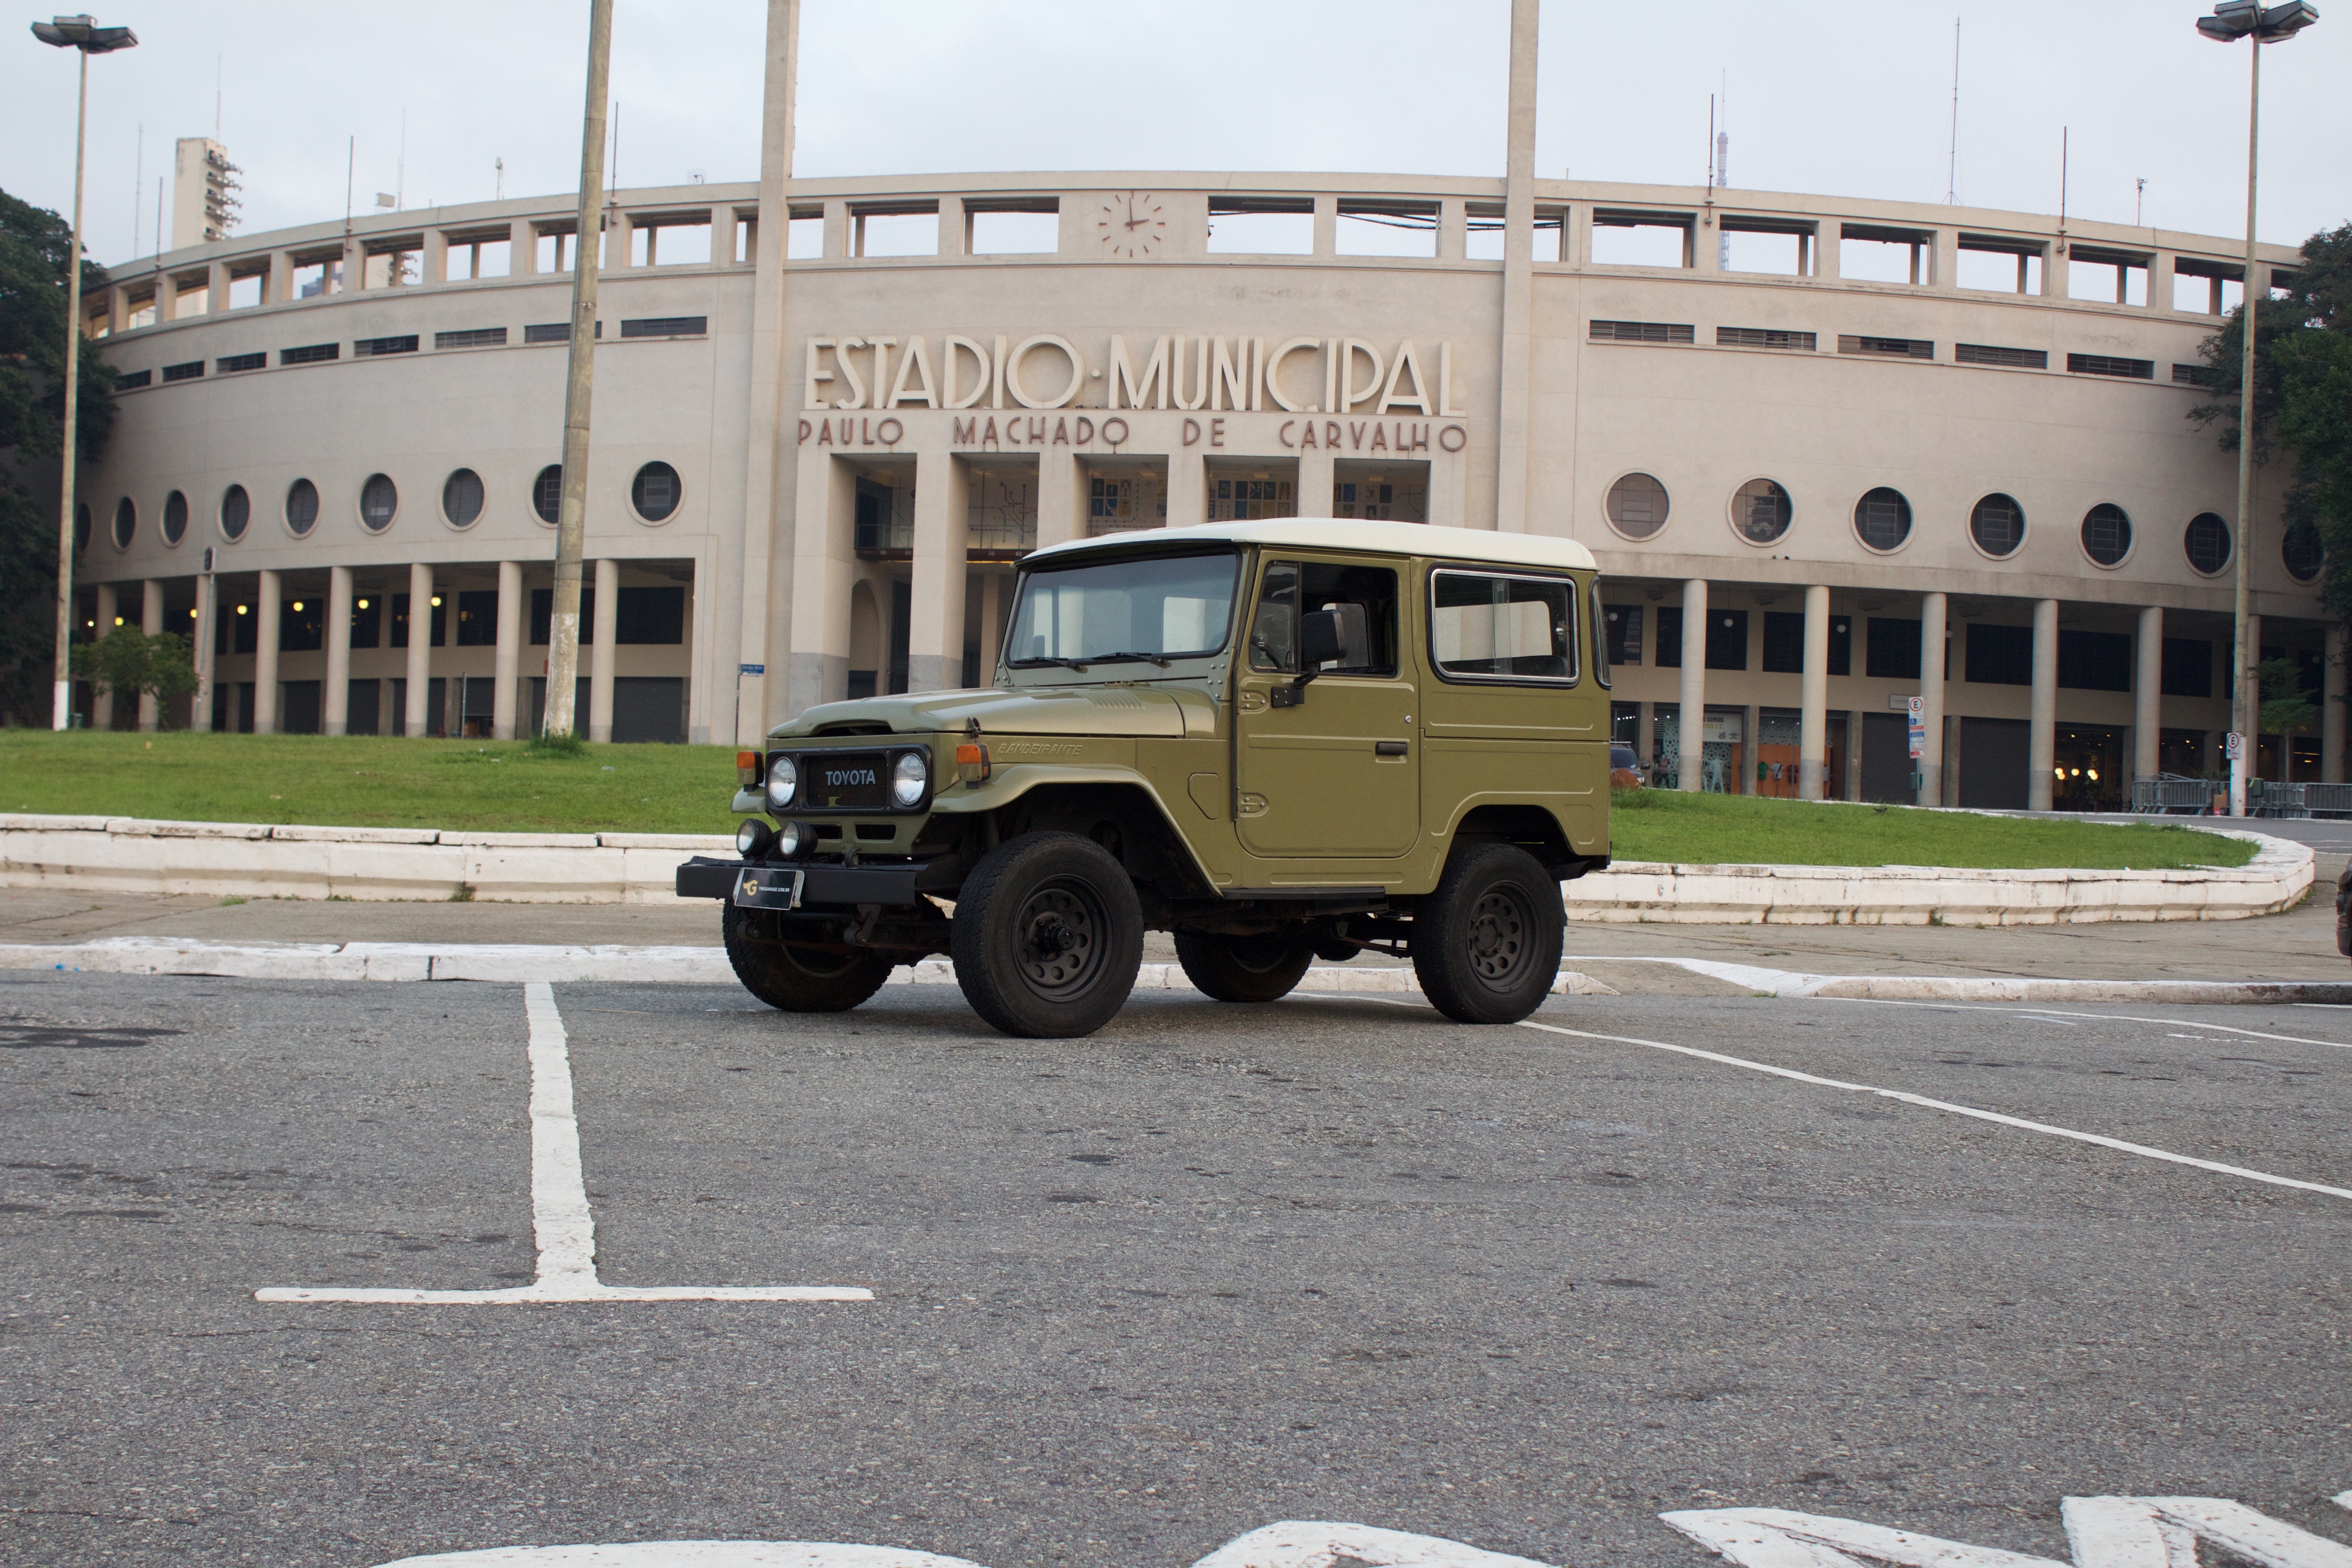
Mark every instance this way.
x=1624 y=768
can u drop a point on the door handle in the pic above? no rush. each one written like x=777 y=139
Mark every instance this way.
x=1388 y=747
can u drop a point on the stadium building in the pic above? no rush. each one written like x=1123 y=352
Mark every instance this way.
x=1831 y=453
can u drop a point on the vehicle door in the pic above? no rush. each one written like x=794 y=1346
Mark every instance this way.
x=1324 y=763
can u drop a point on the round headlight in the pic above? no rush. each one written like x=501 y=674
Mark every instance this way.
x=753 y=839
x=783 y=779
x=908 y=779
x=790 y=838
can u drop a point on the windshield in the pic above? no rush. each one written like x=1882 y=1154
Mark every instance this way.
x=1148 y=608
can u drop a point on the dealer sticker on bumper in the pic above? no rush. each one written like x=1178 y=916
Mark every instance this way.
x=768 y=888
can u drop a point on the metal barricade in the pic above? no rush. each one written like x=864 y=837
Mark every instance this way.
x=2171 y=794
x=2327 y=799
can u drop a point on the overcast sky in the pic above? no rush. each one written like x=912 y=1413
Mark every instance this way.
x=1846 y=99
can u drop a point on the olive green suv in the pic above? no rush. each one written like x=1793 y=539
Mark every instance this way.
x=1276 y=741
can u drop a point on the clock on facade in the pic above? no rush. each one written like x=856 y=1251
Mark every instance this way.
x=1131 y=224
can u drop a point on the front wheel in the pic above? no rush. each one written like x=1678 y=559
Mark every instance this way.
x=796 y=979
x=1250 y=969
x=1047 y=936
x=1485 y=944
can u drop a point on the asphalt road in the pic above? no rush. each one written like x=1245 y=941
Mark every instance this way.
x=1134 y=1295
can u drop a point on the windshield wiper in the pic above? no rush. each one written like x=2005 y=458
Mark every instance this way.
x=1042 y=661
x=1128 y=657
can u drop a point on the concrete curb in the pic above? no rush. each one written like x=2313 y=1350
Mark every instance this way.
x=131 y=855
x=512 y=965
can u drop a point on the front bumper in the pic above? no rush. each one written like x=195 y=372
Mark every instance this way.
x=821 y=886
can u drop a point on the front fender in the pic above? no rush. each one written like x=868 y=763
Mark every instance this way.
x=1009 y=783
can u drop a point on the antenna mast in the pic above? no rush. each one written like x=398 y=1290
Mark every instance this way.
x=1952 y=160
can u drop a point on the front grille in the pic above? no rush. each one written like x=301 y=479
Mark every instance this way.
x=844 y=781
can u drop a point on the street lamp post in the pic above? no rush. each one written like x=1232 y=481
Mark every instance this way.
x=73 y=33
x=2258 y=24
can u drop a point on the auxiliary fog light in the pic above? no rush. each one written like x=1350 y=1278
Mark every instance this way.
x=792 y=839
x=783 y=779
x=753 y=838
x=908 y=779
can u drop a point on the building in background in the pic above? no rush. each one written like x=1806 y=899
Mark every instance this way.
x=1800 y=434
x=204 y=193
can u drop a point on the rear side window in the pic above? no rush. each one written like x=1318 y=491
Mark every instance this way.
x=1341 y=620
x=1501 y=626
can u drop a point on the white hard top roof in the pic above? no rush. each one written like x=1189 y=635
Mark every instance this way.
x=1481 y=544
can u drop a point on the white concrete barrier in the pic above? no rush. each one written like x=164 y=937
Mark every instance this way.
x=113 y=854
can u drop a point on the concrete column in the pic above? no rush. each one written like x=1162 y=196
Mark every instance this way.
x=2041 y=751
x=840 y=233
x=1317 y=473
x=1061 y=497
x=265 y=656
x=600 y=663
x=151 y=621
x=2331 y=707
x=522 y=247
x=1327 y=225
x=951 y=225
x=1454 y=229
x=1188 y=490
x=216 y=289
x=102 y=698
x=1644 y=737
x=1514 y=350
x=620 y=240
x=420 y=649
x=509 y=668
x=2159 y=281
x=935 y=610
x=200 y=709
x=1751 y=731
x=994 y=587
x=722 y=236
x=823 y=567
x=1704 y=249
x=335 y=704
x=434 y=265
x=1947 y=260
x=2147 y=695
x=1813 y=705
x=1691 y=718
x=1934 y=614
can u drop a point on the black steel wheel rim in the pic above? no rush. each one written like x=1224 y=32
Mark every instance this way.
x=816 y=964
x=1057 y=939
x=1500 y=938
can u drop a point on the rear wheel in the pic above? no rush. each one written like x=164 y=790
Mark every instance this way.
x=796 y=979
x=1047 y=936
x=1485 y=944
x=1243 y=969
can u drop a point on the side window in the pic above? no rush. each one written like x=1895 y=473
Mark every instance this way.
x=1494 y=626
x=1337 y=619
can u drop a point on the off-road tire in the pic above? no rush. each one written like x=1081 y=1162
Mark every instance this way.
x=1047 y=936
x=1485 y=944
x=1245 y=969
x=796 y=979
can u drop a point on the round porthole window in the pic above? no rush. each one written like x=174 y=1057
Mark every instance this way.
x=461 y=498
x=301 y=507
x=379 y=502
x=1882 y=519
x=1760 y=512
x=236 y=510
x=1638 y=505
x=654 y=492
x=81 y=526
x=175 y=517
x=1997 y=524
x=2106 y=534
x=126 y=522
x=2302 y=550
x=2207 y=544
x=547 y=494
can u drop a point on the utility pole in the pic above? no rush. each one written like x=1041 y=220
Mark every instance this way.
x=571 y=520
x=81 y=35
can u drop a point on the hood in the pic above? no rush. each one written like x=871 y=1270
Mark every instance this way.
x=1169 y=711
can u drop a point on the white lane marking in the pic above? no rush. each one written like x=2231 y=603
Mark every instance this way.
x=1925 y=1103
x=2101 y=1531
x=1988 y=988
x=562 y=1222
x=1293 y=1543
x=2109 y=1017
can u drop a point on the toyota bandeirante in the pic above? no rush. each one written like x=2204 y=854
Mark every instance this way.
x=1276 y=740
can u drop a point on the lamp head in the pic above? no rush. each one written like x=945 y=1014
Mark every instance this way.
x=2235 y=19
x=83 y=33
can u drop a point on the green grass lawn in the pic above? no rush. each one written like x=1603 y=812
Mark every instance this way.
x=367 y=780
x=1714 y=829
x=505 y=786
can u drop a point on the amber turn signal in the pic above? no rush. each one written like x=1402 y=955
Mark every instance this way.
x=971 y=763
x=746 y=770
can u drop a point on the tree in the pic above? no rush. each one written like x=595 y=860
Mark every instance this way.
x=2302 y=402
x=128 y=659
x=35 y=244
